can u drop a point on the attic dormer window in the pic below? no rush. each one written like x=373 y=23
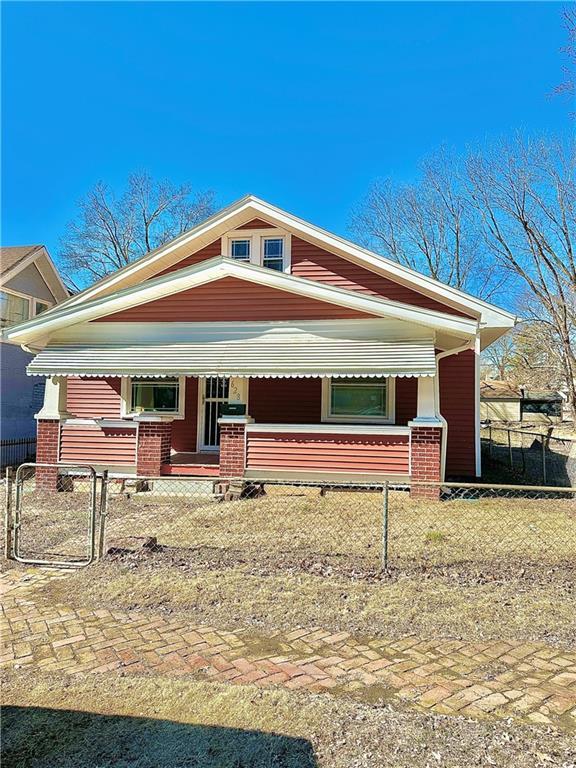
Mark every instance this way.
x=240 y=249
x=268 y=248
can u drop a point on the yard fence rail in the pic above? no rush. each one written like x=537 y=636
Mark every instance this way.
x=355 y=530
x=16 y=451
x=533 y=457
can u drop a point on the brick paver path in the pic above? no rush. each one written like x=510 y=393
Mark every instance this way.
x=497 y=678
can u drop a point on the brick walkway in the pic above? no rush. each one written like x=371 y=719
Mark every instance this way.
x=502 y=679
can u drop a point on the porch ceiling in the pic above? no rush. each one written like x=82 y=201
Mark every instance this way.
x=275 y=352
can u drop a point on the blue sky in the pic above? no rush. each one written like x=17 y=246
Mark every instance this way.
x=301 y=104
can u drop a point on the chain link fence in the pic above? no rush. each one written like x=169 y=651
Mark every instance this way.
x=529 y=457
x=351 y=529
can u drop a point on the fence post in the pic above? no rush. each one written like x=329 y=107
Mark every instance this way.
x=8 y=522
x=103 y=513
x=510 y=449
x=490 y=441
x=543 y=461
x=385 y=525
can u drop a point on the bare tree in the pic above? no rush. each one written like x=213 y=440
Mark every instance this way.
x=498 y=359
x=429 y=227
x=110 y=232
x=525 y=195
x=568 y=85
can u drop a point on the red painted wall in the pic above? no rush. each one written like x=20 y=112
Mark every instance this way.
x=373 y=454
x=285 y=401
x=184 y=431
x=90 y=398
x=208 y=252
x=231 y=299
x=314 y=263
x=457 y=399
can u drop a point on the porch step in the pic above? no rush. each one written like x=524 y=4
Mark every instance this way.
x=191 y=470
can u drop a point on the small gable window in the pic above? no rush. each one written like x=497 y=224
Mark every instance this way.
x=240 y=249
x=268 y=247
x=273 y=253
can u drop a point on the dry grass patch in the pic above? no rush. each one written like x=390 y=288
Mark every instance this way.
x=55 y=722
x=433 y=605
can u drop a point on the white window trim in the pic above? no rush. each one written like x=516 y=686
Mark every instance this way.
x=390 y=405
x=126 y=411
x=256 y=238
x=32 y=301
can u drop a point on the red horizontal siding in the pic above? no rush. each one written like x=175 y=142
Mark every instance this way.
x=256 y=224
x=366 y=454
x=93 y=398
x=457 y=400
x=97 y=445
x=208 y=252
x=406 y=397
x=314 y=263
x=184 y=431
x=232 y=299
x=285 y=401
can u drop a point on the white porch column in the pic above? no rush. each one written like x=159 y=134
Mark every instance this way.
x=55 y=394
x=427 y=413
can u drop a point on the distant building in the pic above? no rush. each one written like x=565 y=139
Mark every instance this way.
x=29 y=285
x=504 y=401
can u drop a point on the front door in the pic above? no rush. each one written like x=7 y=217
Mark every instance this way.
x=213 y=393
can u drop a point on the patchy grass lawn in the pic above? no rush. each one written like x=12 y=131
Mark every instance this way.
x=522 y=608
x=142 y=722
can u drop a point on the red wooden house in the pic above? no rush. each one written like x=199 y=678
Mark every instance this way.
x=259 y=345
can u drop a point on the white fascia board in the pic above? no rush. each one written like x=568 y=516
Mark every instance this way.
x=249 y=207
x=215 y=226
x=218 y=268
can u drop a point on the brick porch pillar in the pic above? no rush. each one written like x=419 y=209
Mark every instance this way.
x=426 y=461
x=153 y=450
x=233 y=445
x=47 y=449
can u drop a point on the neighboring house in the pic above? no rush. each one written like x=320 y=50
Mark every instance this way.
x=29 y=285
x=500 y=401
x=258 y=345
x=504 y=401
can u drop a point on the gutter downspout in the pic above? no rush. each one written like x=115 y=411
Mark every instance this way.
x=441 y=356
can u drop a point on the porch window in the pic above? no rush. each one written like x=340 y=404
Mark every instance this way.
x=155 y=395
x=358 y=399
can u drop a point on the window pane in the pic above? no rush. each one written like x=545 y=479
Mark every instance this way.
x=273 y=256
x=13 y=309
x=155 y=395
x=240 y=249
x=41 y=307
x=358 y=399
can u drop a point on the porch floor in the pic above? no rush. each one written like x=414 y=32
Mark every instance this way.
x=193 y=464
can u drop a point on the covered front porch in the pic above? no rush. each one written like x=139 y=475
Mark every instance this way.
x=333 y=400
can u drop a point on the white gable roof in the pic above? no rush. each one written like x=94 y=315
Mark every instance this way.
x=218 y=268
x=250 y=207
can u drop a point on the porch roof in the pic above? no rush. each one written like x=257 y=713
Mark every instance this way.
x=321 y=349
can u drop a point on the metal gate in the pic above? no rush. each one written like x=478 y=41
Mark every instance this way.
x=54 y=514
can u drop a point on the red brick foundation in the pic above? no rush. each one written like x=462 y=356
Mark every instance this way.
x=232 y=449
x=47 y=439
x=425 y=462
x=154 y=440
